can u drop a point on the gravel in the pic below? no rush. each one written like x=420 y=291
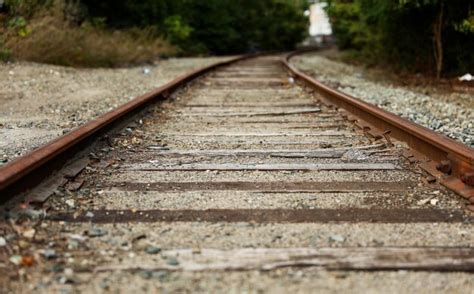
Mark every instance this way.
x=83 y=248
x=450 y=114
x=40 y=102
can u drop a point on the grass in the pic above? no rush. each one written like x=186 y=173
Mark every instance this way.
x=49 y=38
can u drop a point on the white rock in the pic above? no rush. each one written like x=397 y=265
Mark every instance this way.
x=15 y=259
x=30 y=233
x=337 y=238
x=3 y=242
x=70 y=203
x=77 y=237
x=424 y=201
x=68 y=271
x=434 y=201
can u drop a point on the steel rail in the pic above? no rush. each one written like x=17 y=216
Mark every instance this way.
x=451 y=162
x=29 y=170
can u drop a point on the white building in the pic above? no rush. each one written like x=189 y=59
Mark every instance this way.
x=319 y=20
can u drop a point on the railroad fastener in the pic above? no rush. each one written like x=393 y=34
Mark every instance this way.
x=351 y=118
x=387 y=137
x=431 y=179
x=445 y=167
x=468 y=178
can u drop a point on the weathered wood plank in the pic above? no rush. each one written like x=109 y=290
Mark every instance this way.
x=157 y=166
x=368 y=258
x=287 y=134
x=267 y=187
x=253 y=114
x=296 y=103
x=266 y=216
x=317 y=117
x=309 y=153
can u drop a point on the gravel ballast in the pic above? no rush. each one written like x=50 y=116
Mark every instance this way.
x=40 y=102
x=451 y=114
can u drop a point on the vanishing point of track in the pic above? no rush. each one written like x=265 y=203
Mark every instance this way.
x=255 y=141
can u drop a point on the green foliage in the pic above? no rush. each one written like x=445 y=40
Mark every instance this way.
x=401 y=32
x=5 y=53
x=177 y=30
x=20 y=25
x=211 y=26
x=26 y=8
x=98 y=22
x=466 y=25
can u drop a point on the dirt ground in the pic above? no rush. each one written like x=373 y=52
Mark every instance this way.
x=39 y=102
x=104 y=242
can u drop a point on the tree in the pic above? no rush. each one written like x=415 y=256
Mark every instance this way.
x=211 y=26
x=410 y=33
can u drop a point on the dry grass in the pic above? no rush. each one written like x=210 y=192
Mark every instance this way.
x=51 y=39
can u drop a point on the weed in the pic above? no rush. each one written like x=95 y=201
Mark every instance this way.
x=48 y=37
x=5 y=53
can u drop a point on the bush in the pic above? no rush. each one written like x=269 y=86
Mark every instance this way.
x=58 y=43
x=418 y=35
x=211 y=26
x=49 y=37
x=5 y=53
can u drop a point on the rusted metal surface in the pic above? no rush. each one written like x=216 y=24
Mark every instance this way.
x=42 y=157
x=448 y=160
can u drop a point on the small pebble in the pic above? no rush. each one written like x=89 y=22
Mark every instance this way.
x=70 y=203
x=424 y=201
x=3 y=242
x=153 y=250
x=29 y=234
x=337 y=238
x=161 y=275
x=50 y=254
x=16 y=259
x=68 y=271
x=171 y=260
x=96 y=232
x=145 y=274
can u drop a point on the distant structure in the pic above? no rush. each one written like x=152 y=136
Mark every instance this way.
x=320 y=28
x=319 y=20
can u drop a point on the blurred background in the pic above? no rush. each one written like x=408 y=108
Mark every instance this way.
x=429 y=36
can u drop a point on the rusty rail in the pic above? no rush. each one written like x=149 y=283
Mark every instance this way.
x=451 y=162
x=29 y=170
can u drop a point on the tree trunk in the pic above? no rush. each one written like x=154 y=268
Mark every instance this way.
x=438 y=40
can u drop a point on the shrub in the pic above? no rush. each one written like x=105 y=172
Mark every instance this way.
x=419 y=35
x=49 y=37
x=213 y=26
x=54 y=42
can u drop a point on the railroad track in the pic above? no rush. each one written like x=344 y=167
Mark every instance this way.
x=241 y=172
